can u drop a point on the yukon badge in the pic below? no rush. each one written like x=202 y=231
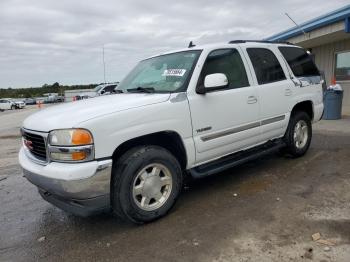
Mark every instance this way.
x=207 y=128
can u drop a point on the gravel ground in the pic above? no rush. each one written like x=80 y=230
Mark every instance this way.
x=266 y=210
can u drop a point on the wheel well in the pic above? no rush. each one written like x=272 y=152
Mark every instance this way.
x=305 y=106
x=169 y=140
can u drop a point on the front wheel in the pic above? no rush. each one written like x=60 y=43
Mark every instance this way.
x=146 y=183
x=299 y=134
x=13 y=107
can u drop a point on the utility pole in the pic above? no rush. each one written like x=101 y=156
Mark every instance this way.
x=296 y=24
x=104 y=64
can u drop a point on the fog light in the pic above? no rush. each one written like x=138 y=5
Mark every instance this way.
x=62 y=156
x=71 y=154
x=78 y=155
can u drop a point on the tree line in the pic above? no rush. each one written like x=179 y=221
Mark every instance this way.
x=40 y=91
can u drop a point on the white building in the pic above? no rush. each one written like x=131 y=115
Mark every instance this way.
x=328 y=39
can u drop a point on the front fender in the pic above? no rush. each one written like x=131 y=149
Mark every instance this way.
x=112 y=130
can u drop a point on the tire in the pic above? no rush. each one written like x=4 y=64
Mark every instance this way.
x=13 y=107
x=299 y=134
x=146 y=182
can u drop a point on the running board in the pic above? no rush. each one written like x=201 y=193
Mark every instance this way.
x=236 y=159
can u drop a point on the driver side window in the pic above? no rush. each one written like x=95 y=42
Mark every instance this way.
x=228 y=62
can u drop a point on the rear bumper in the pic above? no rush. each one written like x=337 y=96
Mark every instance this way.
x=82 y=188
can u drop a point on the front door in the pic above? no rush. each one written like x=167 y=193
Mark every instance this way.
x=225 y=120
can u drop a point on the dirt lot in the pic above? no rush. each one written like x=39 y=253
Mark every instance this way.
x=263 y=211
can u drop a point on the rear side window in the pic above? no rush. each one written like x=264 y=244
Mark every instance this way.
x=299 y=61
x=266 y=66
x=228 y=62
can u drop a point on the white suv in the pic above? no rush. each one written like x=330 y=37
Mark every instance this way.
x=195 y=111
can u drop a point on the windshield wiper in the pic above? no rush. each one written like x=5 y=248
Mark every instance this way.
x=142 y=89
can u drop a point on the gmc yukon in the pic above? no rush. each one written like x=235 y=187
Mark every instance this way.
x=195 y=111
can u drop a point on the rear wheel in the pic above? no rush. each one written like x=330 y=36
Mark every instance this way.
x=299 y=134
x=146 y=183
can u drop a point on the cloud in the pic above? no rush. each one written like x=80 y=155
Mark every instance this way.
x=44 y=41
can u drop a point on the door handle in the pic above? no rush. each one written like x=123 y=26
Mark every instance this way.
x=252 y=100
x=288 y=92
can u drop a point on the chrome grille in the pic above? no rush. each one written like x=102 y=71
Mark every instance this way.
x=35 y=144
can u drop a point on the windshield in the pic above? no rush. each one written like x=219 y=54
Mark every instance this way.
x=165 y=73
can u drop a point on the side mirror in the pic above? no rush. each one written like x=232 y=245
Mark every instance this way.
x=213 y=82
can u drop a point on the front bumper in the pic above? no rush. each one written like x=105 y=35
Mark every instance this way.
x=20 y=106
x=80 y=188
x=318 y=112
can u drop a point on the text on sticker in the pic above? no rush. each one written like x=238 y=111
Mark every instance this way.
x=174 y=72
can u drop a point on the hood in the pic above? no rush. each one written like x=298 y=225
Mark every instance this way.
x=71 y=114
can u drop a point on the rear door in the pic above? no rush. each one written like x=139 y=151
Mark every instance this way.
x=275 y=90
x=307 y=78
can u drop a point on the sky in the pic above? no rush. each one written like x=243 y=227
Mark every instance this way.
x=47 y=41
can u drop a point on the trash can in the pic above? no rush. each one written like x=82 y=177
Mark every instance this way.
x=333 y=100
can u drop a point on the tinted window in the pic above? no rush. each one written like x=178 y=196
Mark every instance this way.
x=266 y=66
x=299 y=61
x=228 y=62
x=109 y=88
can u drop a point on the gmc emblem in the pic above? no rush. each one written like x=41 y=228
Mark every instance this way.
x=28 y=144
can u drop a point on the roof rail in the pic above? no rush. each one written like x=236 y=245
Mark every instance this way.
x=259 y=41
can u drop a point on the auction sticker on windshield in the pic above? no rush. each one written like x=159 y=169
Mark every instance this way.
x=174 y=72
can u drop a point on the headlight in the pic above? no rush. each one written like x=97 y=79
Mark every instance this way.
x=70 y=137
x=71 y=145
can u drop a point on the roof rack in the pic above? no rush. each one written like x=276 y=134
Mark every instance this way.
x=259 y=41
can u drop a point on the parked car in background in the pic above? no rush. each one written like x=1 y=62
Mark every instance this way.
x=80 y=97
x=60 y=99
x=7 y=104
x=19 y=104
x=71 y=95
x=30 y=101
x=106 y=89
x=41 y=100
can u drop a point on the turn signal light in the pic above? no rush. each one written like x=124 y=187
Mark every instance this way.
x=81 y=137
